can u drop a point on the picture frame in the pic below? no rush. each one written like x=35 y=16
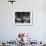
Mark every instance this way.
x=24 y=18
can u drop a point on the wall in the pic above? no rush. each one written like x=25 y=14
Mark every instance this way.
x=9 y=31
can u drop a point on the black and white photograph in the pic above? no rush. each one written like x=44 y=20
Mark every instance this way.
x=23 y=18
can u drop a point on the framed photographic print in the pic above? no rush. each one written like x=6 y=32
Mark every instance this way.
x=23 y=18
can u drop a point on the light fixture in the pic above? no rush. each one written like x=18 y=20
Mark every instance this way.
x=12 y=1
